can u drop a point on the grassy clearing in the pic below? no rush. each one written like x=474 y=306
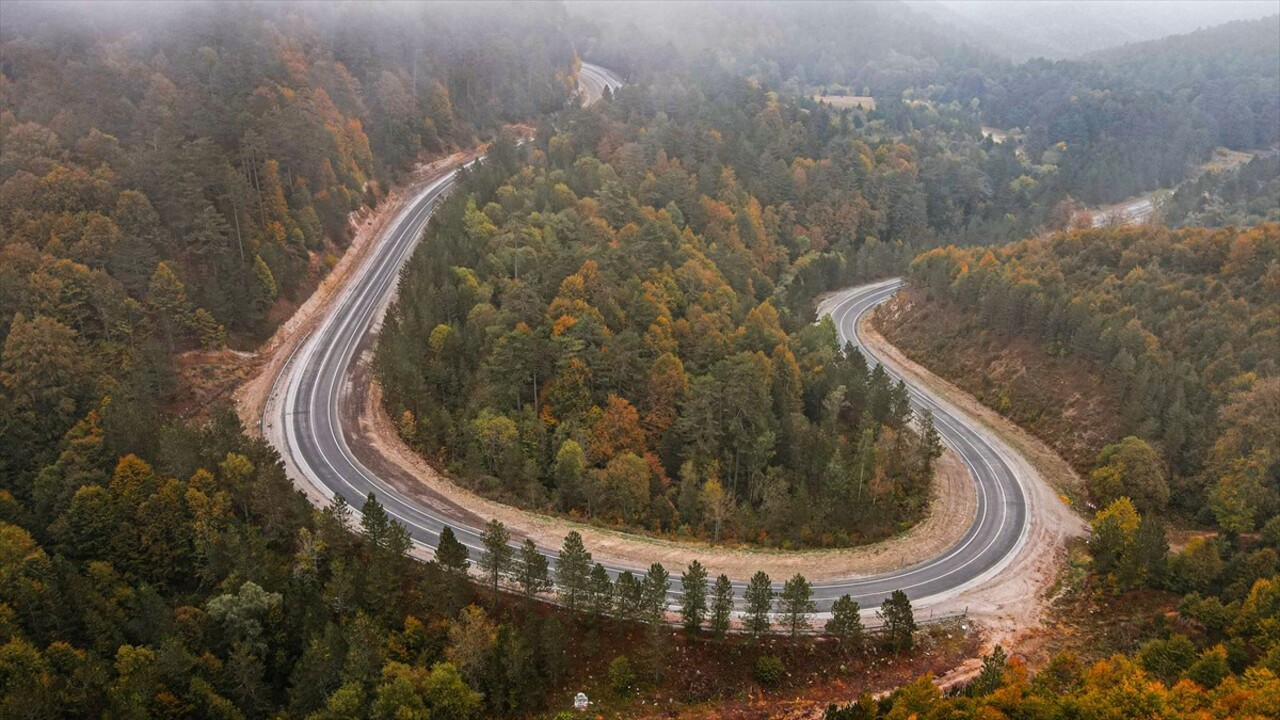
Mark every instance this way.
x=1226 y=159
x=865 y=102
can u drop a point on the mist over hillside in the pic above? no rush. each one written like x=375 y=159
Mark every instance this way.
x=1060 y=29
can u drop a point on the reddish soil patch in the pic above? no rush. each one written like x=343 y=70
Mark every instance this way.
x=706 y=679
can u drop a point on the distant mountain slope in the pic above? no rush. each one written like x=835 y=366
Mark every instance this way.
x=1231 y=73
x=884 y=45
x=1242 y=47
x=1061 y=29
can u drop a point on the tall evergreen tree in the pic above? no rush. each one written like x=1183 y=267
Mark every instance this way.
x=846 y=623
x=573 y=568
x=452 y=555
x=721 y=607
x=495 y=561
x=532 y=570
x=375 y=524
x=992 y=675
x=693 y=596
x=657 y=583
x=930 y=440
x=759 y=596
x=599 y=592
x=629 y=597
x=796 y=605
x=899 y=621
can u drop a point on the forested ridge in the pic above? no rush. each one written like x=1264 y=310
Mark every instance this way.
x=1143 y=116
x=1098 y=130
x=1240 y=196
x=839 y=195
x=176 y=176
x=1181 y=328
x=167 y=190
x=615 y=325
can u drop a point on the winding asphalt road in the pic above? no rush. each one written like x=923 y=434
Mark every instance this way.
x=302 y=420
x=594 y=80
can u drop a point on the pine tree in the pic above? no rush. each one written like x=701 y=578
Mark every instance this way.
x=495 y=561
x=452 y=555
x=134 y=255
x=628 y=592
x=398 y=541
x=693 y=597
x=900 y=406
x=573 y=569
x=796 y=605
x=653 y=654
x=657 y=583
x=532 y=570
x=930 y=441
x=846 y=623
x=721 y=607
x=266 y=289
x=389 y=542
x=599 y=592
x=992 y=675
x=211 y=334
x=335 y=524
x=375 y=524
x=899 y=621
x=759 y=596
x=167 y=298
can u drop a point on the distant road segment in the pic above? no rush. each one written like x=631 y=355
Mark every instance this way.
x=594 y=79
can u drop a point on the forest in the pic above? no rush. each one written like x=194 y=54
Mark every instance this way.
x=1183 y=329
x=625 y=340
x=615 y=322
x=1239 y=196
x=187 y=187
